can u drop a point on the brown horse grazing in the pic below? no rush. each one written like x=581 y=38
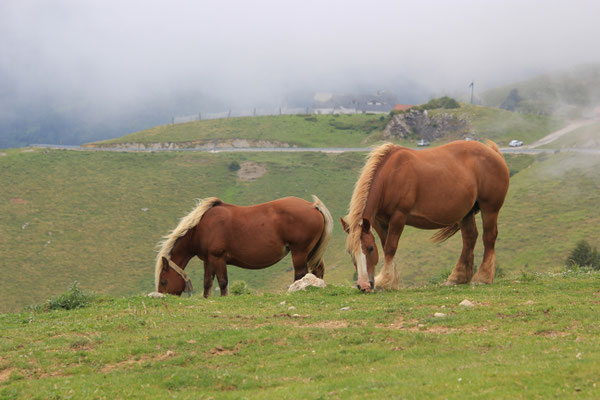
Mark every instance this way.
x=438 y=188
x=251 y=237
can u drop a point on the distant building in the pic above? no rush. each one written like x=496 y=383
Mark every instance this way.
x=340 y=103
x=403 y=107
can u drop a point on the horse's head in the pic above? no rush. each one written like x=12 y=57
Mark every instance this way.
x=170 y=281
x=365 y=257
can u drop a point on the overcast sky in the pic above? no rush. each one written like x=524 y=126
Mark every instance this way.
x=240 y=52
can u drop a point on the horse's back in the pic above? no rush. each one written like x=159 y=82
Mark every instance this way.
x=289 y=218
x=443 y=183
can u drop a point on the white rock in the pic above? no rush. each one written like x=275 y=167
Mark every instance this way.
x=344 y=308
x=439 y=315
x=466 y=303
x=308 y=280
x=156 y=295
x=291 y=308
x=282 y=303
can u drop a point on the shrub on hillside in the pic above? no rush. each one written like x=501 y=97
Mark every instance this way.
x=71 y=299
x=234 y=166
x=584 y=255
x=442 y=102
x=238 y=288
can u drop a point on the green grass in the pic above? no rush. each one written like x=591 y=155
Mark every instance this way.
x=531 y=337
x=305 y=130
x=67 y=216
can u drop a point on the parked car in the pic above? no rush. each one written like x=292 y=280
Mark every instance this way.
x=515 y=143
x=422 y=143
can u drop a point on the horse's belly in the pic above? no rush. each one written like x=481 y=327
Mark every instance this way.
x=257 y=257
x=423 y=223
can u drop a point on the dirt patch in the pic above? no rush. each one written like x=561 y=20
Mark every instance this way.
x=552 y=334
x=327 y=325
x=220 y=351
x=250 y=171
x=133 y=361
x=18 y=200
x=5 y=374
x=2 y=154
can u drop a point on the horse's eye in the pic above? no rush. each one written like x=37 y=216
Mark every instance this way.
x=164 y=283
x=370 y=249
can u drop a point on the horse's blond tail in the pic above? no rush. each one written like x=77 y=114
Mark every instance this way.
x=445 y=233
x=315 y=262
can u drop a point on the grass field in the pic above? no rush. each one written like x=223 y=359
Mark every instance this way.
x=530 y=336
x=96 y=217
x=358 y=130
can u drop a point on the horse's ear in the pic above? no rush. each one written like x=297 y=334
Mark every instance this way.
x=366 y=225
x=165 y=264
x=345 y=225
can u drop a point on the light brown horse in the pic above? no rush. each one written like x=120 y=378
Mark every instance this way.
x=438 y=188
x=251 y=237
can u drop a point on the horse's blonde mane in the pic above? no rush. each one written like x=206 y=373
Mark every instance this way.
x=185 y=224
x=361 y=193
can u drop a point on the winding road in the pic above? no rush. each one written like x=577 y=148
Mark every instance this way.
x=532 y=148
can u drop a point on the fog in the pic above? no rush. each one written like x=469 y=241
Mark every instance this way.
x=107 y=58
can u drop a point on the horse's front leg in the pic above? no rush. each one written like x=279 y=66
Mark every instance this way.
x=220 y=267
x=388 y=276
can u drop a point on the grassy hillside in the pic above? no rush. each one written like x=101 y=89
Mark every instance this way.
x=305 y=130
x=587 y=137
x=96 y=217
x=502 y=126
x=335 y=130
x=535 y=337
x=568 y=93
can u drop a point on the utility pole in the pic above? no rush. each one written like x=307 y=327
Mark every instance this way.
x=472 y=86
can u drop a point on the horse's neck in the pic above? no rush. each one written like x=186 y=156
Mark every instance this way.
x=374 y=199
x=181 y=253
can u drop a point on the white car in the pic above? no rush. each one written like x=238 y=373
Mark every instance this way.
x=422 y=143
x=515 y=143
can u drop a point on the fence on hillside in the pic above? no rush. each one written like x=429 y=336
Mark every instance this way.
x=258 y=112
x=255 y=112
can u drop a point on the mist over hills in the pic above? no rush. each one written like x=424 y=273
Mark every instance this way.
x=570 y=93
x=73 y=72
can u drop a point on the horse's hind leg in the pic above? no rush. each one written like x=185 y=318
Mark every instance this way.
x=220 y=267
x=487 y=270
x=463 y=270
x=319 y=269
x=209 y=276
x=300 y=260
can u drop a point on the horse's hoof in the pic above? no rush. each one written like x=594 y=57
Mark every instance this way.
x=448 y=283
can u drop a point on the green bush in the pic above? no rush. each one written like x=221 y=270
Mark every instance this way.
x=70 y=300
x=234 y=166
x=442 y=102
x=238 y=288
x=583 y=255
